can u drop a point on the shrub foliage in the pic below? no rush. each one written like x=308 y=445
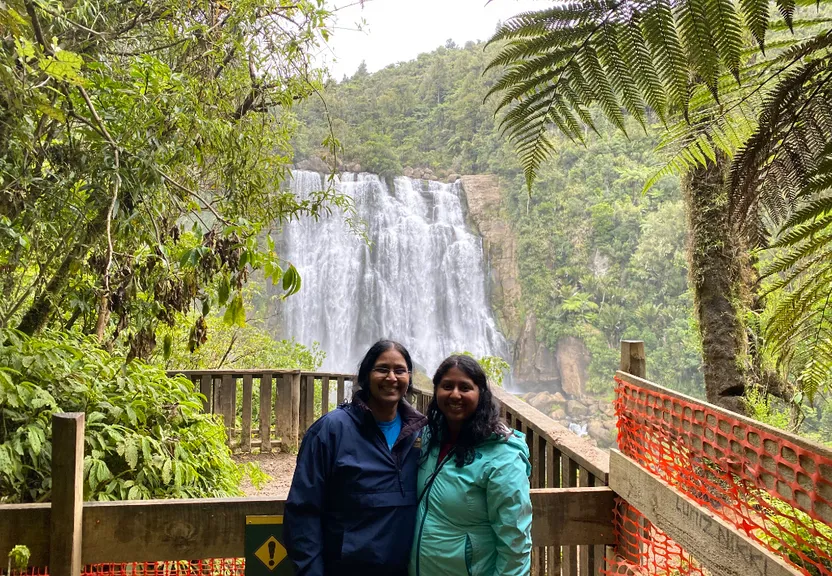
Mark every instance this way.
x=145 y=437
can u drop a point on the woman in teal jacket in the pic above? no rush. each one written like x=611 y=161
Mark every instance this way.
x=474 y=515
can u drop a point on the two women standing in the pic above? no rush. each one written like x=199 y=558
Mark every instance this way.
x=380 y=490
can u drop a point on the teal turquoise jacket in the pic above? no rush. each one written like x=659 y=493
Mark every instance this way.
x=477 y=519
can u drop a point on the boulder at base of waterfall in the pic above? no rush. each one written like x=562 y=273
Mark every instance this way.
x=559 y=398
x=543 y=401
x=596 y=430
x=558 y=415
x=576 y=409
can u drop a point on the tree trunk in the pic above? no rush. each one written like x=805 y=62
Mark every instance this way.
x=38 y=313
x=720 y=274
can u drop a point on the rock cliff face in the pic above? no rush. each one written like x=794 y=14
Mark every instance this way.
x=536 y=366
x=499 y=245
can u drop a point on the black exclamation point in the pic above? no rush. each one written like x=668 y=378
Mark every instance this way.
x=271 y=553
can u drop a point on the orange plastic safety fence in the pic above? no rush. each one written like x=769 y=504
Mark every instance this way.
x=775 y=491
x=642 y=548
x=211 y=567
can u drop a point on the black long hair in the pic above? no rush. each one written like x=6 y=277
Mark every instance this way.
x=484 y=423
x=369 y=361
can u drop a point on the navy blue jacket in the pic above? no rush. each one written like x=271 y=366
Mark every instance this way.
x=352 y=505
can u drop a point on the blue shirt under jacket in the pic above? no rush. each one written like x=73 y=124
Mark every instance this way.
x=352 y=506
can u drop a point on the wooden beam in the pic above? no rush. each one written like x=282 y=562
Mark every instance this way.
x=149 y=530
x=139 y=531
x=633 y=360
x=714 y=543
x=67 y=494
x=572 y=516
x=26 y=524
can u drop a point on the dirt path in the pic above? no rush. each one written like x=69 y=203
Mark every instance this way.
x=280 y=466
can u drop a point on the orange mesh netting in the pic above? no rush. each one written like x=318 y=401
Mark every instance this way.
x=213 y=567
x=774 y=490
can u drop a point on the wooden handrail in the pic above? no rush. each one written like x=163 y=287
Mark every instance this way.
x=156 y=530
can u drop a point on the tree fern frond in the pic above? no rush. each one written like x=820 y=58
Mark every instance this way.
x=662 y=37
x=756 y=18
x=694 y=29
x=601 y=87
x=619 y=75
x=638 y=59
x=727 y=33
x=786 y=8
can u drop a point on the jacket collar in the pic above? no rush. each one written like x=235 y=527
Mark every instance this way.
x=412 y=419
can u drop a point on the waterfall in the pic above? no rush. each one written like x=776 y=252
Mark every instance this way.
x=420 y=280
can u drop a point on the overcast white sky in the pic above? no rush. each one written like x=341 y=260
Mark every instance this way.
x=399 y=30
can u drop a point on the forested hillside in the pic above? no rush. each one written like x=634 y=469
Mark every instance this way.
x=597 y=259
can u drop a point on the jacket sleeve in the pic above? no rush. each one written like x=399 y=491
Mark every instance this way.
x=510 y=513
x=303 y=529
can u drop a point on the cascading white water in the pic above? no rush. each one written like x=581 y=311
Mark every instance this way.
x=421 y=280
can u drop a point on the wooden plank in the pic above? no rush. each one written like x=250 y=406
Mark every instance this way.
x=340 y=390
x=283 y=413
x=533 y=440
x=588 y=560
x=294 y=404
x=139 y=531
x=26 y=524
x=324 y=395
x=577 y=449
x=245 y=431
x=216 y=396
x=717 y=545
x=569 y=554
x=572 y=516
x=552 y=481
x=265 y=412
x=633 y=359
x=307 y=404
x=206 y=389
x=151 y=530
x=227 y=392
x=66 y=517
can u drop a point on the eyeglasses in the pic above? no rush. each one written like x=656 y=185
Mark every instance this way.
x=383 y=372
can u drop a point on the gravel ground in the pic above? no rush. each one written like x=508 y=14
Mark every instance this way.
x=280 y=466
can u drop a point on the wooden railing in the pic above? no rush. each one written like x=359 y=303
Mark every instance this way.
x=287 y=403
x=67 y=533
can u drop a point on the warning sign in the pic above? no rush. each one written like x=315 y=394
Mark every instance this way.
x=265 y=553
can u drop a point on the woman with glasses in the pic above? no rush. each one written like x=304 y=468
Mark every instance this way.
x=474 y=513
x=352 y=506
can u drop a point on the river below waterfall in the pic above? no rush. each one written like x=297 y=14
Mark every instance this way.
x=420 y=280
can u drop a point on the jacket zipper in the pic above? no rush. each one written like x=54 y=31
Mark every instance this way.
x=425 y=517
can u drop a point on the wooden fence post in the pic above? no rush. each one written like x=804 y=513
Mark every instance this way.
x=265 y=413
x=633 y=360
x=245 y=431
x=67 y=494
x=294 y=403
